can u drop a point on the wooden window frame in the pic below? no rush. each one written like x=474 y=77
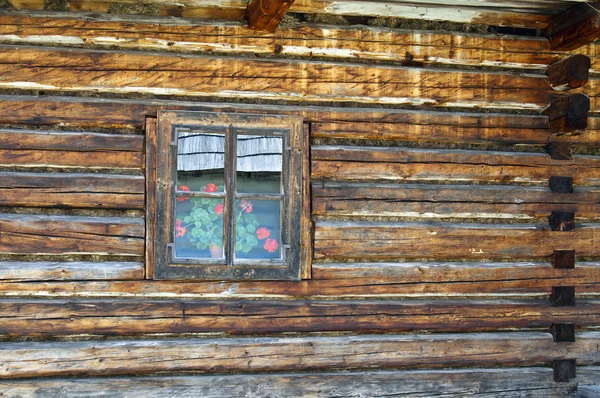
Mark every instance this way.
x=161 y=162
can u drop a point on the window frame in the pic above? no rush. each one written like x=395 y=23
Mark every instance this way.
x=166 y=265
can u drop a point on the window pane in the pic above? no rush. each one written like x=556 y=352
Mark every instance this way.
x=199 y=227
x=258 y=229
x=259 y=164
x=200 y=161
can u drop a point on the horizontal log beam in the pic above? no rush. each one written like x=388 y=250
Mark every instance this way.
x=533 y=382
x=71 y=190
x=41 y=234
x=350 y=280
x=574 y=28
x=291 y=354
x=110 y=317
x=74 y=270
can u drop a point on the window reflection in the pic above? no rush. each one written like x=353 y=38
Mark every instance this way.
x=200 y=159
x=259 y=164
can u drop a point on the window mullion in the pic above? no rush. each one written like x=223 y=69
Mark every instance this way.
x=230 y=177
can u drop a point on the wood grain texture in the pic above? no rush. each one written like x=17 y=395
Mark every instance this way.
x=351 y=280
x=569 y=73
x=70 y=141
x=71 y=190
x=118 y=317
x=292 y=80
x=75 y=270
x=486 y=383
x=39 y=234
x=346 y=163
x=387 y=240
x=286 y=354
x=450 y=201
x=151 y=145
x=308 y=40
x=574 y=28
x=265 y=15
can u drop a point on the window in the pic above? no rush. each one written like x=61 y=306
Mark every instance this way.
x=228 y=196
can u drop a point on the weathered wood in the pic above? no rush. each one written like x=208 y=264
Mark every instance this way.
x=564 y=370
x=70 y=141
x=351 y=280
x=574 y=28
x=266 y=15
x=306 y=236
x=345 y=163
x=75 y=270
x=569 y=73
x=563 y=259
x=32 y=234
x=568 y=114
x=215 y=77
x=563 y=296
x=110 y=317
x=588 y=391
x=449 y=201
x=403 y=46
x=561 y=184
x=486 y=383
x=151 y=148
x=560 y=151
x=287 y=354
x=562 y=221
x=563 y=332
x=387 y=240
x=69 y=190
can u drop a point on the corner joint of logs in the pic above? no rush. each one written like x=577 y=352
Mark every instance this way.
x=564 y=370
x=265 y=15
x=563 y=332
x=559 y=150
x=563 y=259
x=574 y=28
x=568 y=114
x=562 y=296
x=569 y=73
x=562 y=221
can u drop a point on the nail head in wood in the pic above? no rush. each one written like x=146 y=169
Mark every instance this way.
x=564 y=370
x=569 y=73
x=561 y=184
x=562 y=296
x=563 y=259
x=562 y=221
x=568 y=115
x=559 y=150
x=563 y=332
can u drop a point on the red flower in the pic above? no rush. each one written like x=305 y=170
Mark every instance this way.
x=219 y=208
x=271 y=245
x=179 y=230
x=263 y=233
x=183 y=198
x=210 y=188
x=246 y=206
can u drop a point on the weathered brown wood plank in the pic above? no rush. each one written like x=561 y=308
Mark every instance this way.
x=130 y=113
x=407 y=164
x=70 y=141
x=351 y=280
x=450 y=201
x=37 y=234
x=381 y=240
x=486 y=383
x=287 y=354
x=41 y=158
x=574 y=28
x=265 y=15
x=293 y=80
x=76 y=270
x=424 y=47
x=110 y=317
x=69 y=190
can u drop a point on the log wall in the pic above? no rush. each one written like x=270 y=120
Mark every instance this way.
x=435 y=214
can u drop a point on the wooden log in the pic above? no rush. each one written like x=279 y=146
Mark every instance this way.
x=205 y=76
x=33 y=234
x=591 y=391
x=68 y=159
x=345 y=163
x=387 y=240
x=266 y=15
x=533 y=382
x=449 y=201
x=369 y=43
x=351 y=280
x=118 y=317
x=569 y=73
x=70 y=141
x=75 y=270
x=568 y=114
x=574 y=28
x=559 y=151
x=151 y=181
x=290 y=354
x=70 y=190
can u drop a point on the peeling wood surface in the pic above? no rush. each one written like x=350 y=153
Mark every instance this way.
x=45 y=234
x=485 y=383
x=350 y=280
x=42 y=68
x=71 y=190
x=287 y=354
x=118 y=318
x=74 y=270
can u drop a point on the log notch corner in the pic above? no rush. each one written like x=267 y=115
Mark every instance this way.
x=265 y=15
x=574 y=28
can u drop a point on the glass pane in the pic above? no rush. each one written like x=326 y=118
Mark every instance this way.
x=259 y=164
x=199 y=228
x=258 y=229
x=200 y=161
